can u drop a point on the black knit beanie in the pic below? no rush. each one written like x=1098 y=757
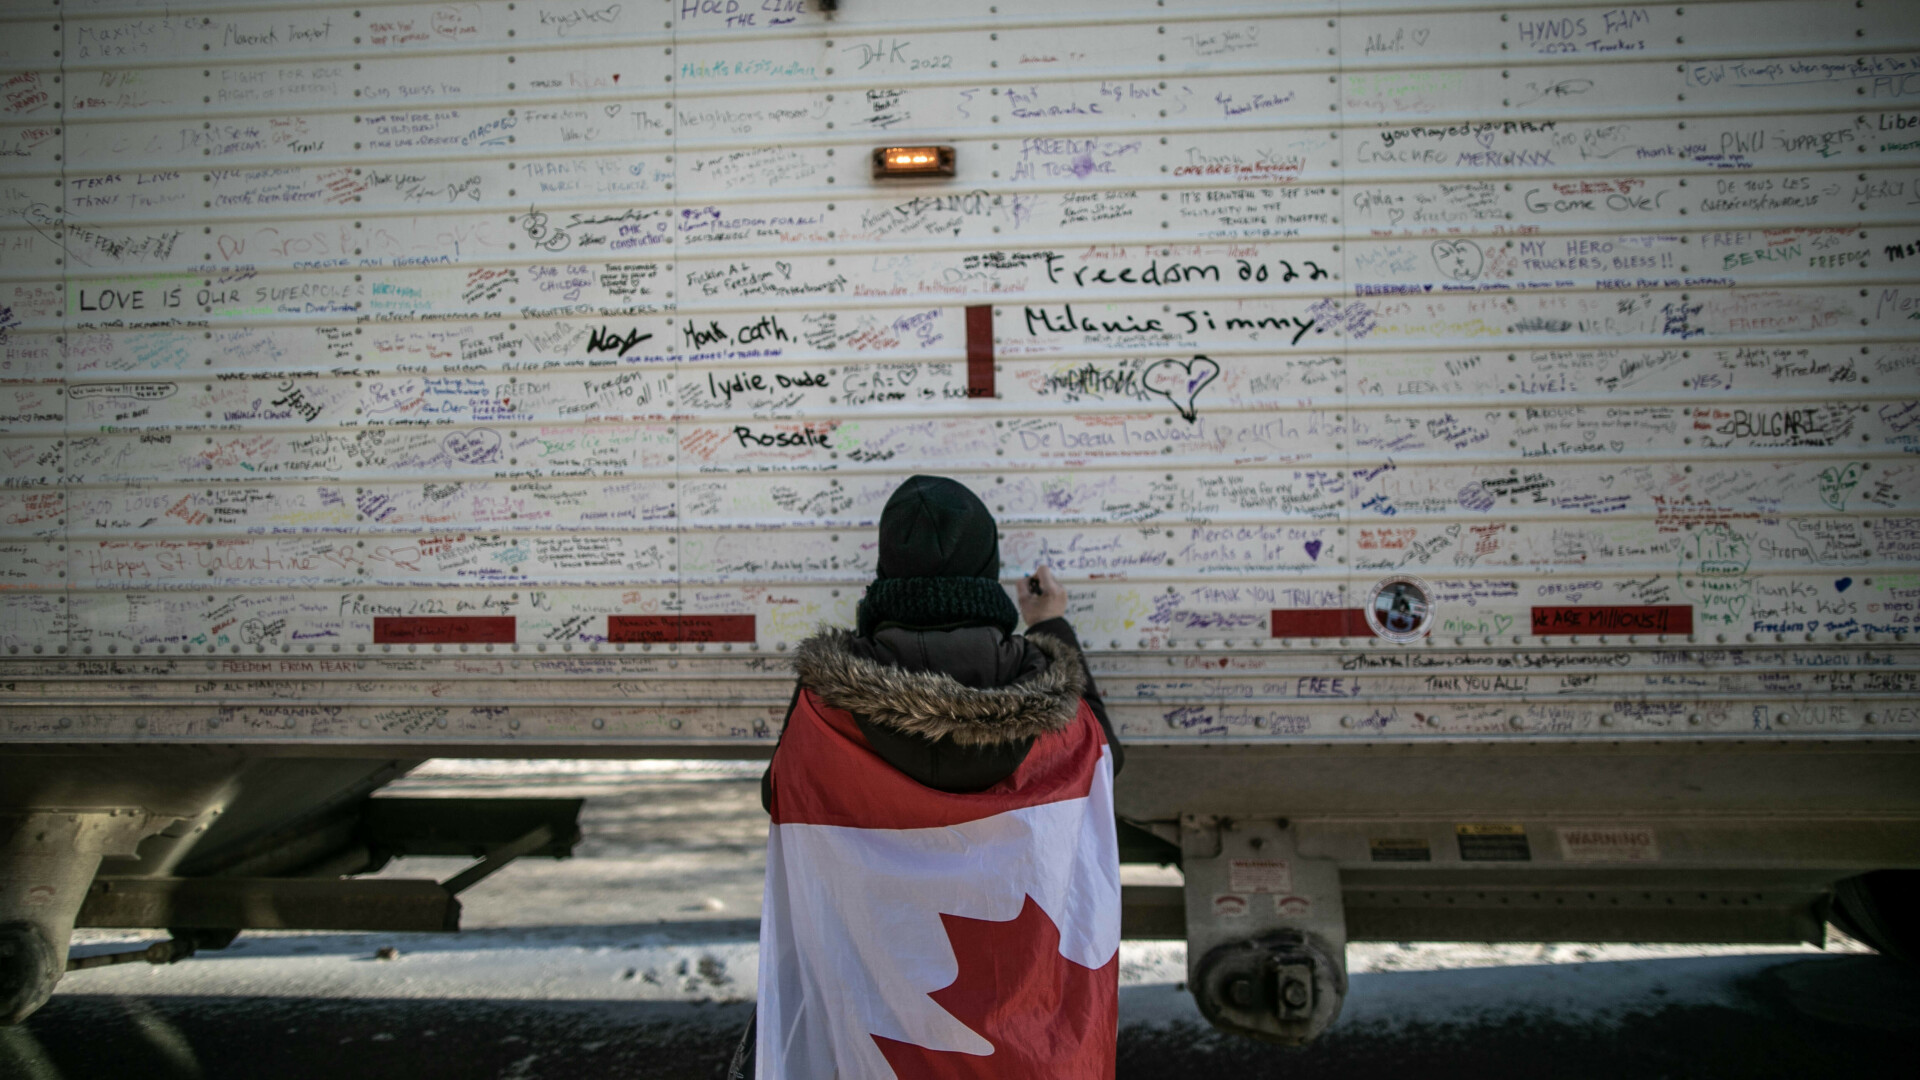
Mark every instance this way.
x=939 y=564
x=935 y=527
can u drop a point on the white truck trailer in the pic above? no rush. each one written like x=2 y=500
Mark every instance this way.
x=1479 y=440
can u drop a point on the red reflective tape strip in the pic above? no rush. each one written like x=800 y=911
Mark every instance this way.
x=670 y=628
x=1630 y=619
x=443 y=630
x=980 y=351
x=1320 y=622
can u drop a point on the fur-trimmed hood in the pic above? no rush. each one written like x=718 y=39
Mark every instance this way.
x=935 y=705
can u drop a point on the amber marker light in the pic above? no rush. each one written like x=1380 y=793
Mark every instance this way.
x=897 y=162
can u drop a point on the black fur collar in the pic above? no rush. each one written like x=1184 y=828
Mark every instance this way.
x=936 y=705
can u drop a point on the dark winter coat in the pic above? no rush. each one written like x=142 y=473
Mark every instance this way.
x=956 y=710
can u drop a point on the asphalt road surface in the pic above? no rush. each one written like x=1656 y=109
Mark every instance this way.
x=636 y=959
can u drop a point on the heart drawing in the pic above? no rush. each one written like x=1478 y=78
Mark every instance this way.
x=1460 y=260
x=1313 y=550
x=1181 y=382
x=1842 y=584
x=1836 y=482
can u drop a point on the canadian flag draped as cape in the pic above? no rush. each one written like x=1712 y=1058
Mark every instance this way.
x=909 y=932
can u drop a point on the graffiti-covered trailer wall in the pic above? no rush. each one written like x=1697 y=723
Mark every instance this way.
x=367 y=366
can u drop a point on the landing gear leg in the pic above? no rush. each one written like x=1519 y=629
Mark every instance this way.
x=47 y=860
x=1266 y=932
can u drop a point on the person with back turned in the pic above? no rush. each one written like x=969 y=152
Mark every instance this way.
x=943 y=879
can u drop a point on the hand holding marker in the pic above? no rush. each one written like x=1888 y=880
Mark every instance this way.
x=1042 y=597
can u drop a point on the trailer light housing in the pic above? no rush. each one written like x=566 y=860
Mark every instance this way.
x=1400 y=608
x=907 y=162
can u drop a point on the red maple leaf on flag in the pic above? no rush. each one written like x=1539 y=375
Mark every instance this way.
x=1047 y=1017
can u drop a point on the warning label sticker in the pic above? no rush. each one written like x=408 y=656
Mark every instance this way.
x=1609 y=843
x=1493 y=843
x=1400 y=849
x=1259 y=876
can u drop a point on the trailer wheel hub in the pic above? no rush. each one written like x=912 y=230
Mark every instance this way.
x=1282 y=987
x=28 y=970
